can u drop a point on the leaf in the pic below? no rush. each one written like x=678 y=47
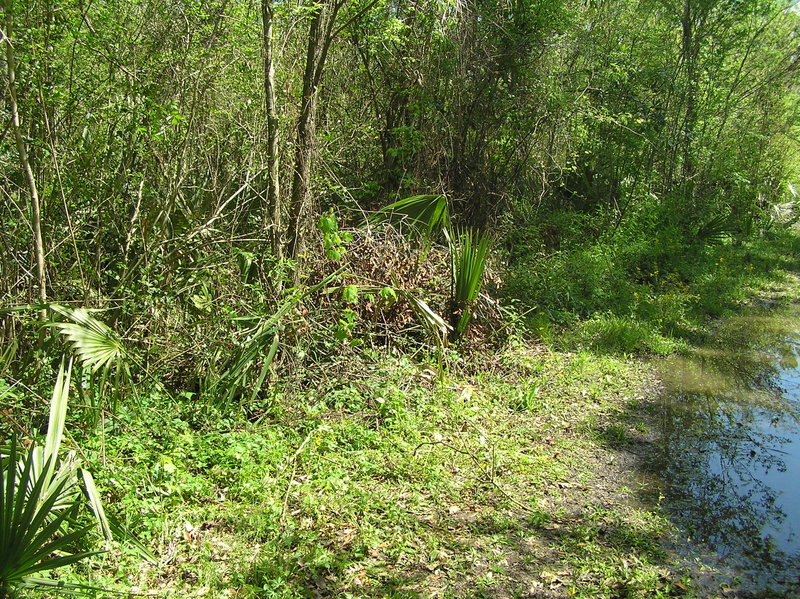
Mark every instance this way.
x=468 y=262
x=90 y=490
x=128 y=538
x=30 y=530
x=264 y=336
x=328 y=224
x=717 y=229
x=434 y=324
x=425 y=214
x=350 y=294
x=58 y=412
x=388 y=297
x=96 y=345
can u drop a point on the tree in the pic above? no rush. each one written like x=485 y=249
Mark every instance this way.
x=321 y=34
x=36 y=211
x=273 y=207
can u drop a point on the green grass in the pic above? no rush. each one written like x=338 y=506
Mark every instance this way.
x=390 y=487
x=643 y=291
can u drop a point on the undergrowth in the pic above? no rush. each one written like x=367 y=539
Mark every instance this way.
x=276 y=442
x=389 y=486
x=644 y=287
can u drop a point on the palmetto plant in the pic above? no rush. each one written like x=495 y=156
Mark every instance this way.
x=35 y=521
x=96 y=345
x=98 y=348
x=260 y=345
x=425 y=215
x=40 y=494
x=428 y=215
x=716 y=229
x=468 y=256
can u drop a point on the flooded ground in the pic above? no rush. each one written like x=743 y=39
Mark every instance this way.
x=729 y=452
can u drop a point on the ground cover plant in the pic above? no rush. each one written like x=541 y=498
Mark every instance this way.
x=361 y=294
x=392 y=486
x=515 y=473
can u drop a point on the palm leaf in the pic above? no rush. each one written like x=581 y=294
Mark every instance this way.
x=121 y=533
x=716 y=229
x=424 y=214
x=91 y=493
x=29 y=524
x=61 y=478
x=50 y=476
x=58 y=411
x=96 y=345
x=468 y=263
x=58 y=586
x=434 y=325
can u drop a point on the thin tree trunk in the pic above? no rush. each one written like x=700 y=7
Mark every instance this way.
x=320 y=37
x=273 y=207
x=689 y=52
x=305 y=139
x=38 y=244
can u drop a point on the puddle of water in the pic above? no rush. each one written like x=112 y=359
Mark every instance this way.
x=729 y=450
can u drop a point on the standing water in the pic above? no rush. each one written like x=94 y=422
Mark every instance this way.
x=730 y=451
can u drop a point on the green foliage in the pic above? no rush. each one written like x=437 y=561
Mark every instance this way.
x=334 y=241
x=350 y=294
x=434 y=325
x=569 y=283
x=621 y=334
x=469 y=253
x=646 y=289
x=40 y=495
x=637 y=180
x=716 y=229
x=388 y=296
x=67 y=470
x=35 y=521
x=423 y=215
x=346 y=325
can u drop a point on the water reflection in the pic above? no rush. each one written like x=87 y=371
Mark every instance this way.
x=730 y=445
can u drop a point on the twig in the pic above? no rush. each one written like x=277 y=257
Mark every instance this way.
x=294 y=471
x=488 y=474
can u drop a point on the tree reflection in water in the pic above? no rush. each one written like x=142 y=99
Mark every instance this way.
x=729 y=452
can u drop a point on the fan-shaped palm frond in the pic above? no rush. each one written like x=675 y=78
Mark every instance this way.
x=94 y=342
x=716 y=229
x=32 y=528
x=785 y=214
x=426 y=215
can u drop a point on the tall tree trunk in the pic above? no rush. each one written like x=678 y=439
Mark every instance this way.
x=306 y=138
x=273 y=207
x=36 y=212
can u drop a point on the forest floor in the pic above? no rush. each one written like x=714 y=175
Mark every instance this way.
x=529 y=479
x=525 y=480
x=520 y=473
